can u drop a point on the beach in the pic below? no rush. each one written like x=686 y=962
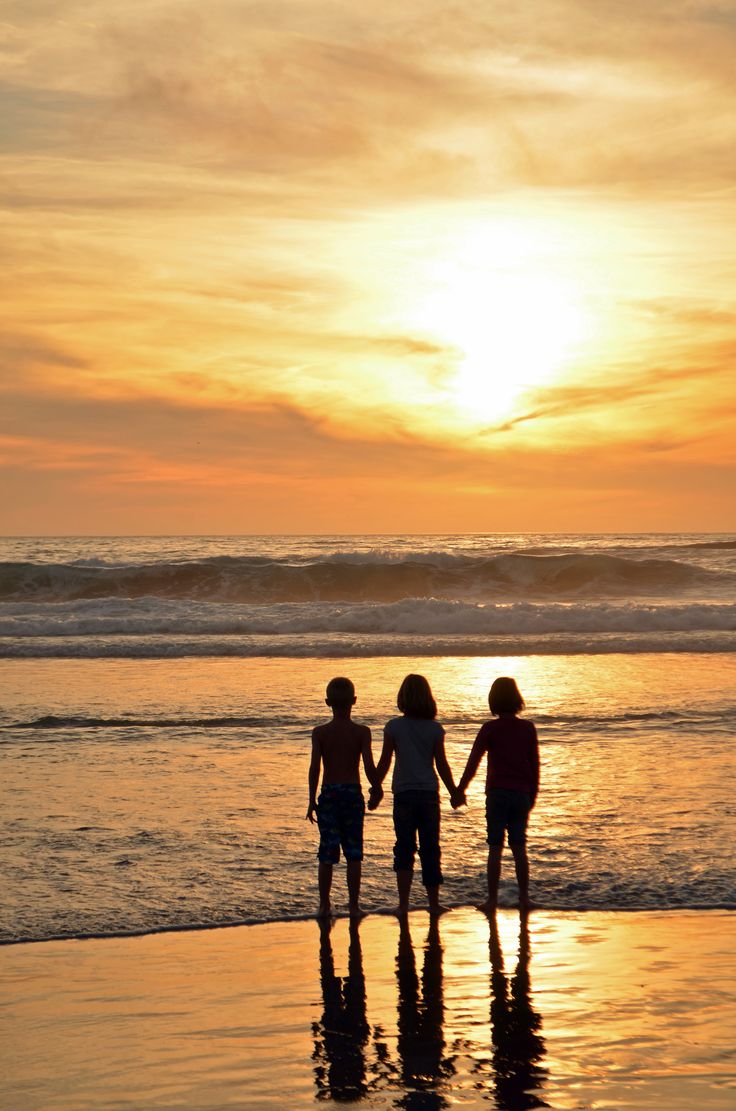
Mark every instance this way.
x=588 y=1010
x=157 y=940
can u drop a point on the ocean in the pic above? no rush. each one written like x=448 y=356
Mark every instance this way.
x=158 y=696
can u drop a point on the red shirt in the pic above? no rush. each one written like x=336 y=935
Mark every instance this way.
x=513 y=753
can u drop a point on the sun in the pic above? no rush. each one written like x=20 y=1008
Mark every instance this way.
x=511 y=311
x=512 y=332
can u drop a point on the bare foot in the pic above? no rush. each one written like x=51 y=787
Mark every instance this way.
x=357 y=912
x=325 y=910
x=488 y=907
x=437 y=910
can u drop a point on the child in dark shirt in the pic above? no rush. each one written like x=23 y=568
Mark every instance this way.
x=512 y=783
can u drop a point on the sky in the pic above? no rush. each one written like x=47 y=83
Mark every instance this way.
x=310 y=266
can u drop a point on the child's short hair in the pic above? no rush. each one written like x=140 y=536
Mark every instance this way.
x=415 y=698
x=504 y=697
x=340 y=692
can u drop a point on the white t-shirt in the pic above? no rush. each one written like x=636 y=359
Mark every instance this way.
x=415 y=741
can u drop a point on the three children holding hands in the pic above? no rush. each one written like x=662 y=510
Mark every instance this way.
x=415 y=742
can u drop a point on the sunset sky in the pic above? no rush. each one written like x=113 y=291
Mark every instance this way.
x=314 y=266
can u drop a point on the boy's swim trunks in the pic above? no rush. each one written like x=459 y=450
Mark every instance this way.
x=507 y=810
x=340 y=814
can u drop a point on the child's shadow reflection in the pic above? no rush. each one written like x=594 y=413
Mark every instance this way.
x=424 y=1065
x=341 y=1037
x=351 y=1061
x=518 y=1047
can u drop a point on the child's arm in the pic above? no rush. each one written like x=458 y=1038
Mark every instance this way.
x=444 y=772
x=534 y=760
x=474 y=759
x=314 y=767
x=366 y=752
x=384 y=763
x=387 y=755
x=376 y=793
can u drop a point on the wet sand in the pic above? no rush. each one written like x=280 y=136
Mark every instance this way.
x=579 y=1010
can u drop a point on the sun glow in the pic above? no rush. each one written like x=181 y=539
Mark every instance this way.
x=507 y=303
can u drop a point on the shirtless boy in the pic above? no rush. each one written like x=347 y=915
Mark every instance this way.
x=337 y=747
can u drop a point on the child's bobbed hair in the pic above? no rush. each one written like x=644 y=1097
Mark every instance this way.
x=415 y=698
x=340 y=692
x=504 y=697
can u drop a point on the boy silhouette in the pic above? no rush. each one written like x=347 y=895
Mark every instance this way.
x=337 y=748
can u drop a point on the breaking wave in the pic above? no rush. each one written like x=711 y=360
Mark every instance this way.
x=382 y=577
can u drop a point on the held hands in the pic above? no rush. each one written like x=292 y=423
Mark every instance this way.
x=457 y=798
x=374 y=798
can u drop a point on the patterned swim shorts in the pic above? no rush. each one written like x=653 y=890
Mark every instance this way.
x=340 y=814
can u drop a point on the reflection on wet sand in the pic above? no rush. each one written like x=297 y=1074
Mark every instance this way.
x=639 y=1015
x=515 y=1072
x=423 y=1065
x=353 y=1060
x=342 y=1034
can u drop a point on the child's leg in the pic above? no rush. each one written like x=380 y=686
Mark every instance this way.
x=521 y=862
x=518 y=819
x=324 y=883
x=433 y=898
x=354 y=870
x=405 y=847
x=428 y=827
x=352 y=815
x=329 y=848
x=404 y=877
x=495 y=853
x=496 y=816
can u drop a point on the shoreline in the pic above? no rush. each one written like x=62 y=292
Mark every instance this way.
x=604 y=1010
x=340 y=916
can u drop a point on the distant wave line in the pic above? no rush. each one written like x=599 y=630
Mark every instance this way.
x=364 y=645
x=52 y=722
